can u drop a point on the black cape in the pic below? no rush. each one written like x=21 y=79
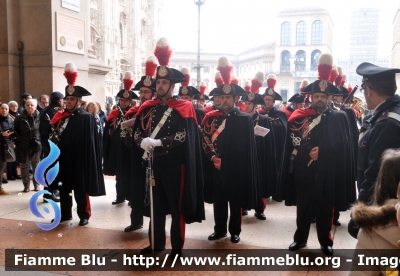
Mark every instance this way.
x=80 y=157
x=237 y=149
x=112 y=148
x=333 y=182
x=278 y=121
x=192 y=197
x=265 y=157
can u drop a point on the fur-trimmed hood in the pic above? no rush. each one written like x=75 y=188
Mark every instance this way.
x=370 y=217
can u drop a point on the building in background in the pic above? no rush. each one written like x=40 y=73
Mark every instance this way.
x=364 y=32
x=104 y=38
x=123 y=34
x=304 y=34
x=395 y=58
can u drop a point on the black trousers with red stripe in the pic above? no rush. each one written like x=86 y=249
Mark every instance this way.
x=307 y=207
x=82 y=201
x=169 y=174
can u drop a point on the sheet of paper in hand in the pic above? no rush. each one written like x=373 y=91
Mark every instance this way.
x=128 y=123
x=260 y=131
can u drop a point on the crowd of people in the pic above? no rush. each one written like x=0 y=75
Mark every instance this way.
x=233 y=148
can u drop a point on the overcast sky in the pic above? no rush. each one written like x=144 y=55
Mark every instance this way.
x=235 y=26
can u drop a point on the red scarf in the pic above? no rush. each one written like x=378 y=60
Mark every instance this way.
x=208 y=108
x=113 y=114
x=185 y=108
x=301 y=113
x=132 y=110
x=288 y=113
x=214 y=113
x=59 y=116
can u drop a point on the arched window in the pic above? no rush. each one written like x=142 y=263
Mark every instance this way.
x=285 y=62
x=301 y=33
x=316 y=32
x=285 y=34
x=300 y=61
x=314 y=59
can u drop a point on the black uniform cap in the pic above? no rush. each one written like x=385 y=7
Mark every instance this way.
x=370 y=71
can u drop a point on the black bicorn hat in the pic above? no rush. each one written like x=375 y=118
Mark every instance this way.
x=296 y=98
x=328 y=88
x=254 y=98
x=147 y=80
x=71 y=73
x=271 y=81
x=202 y=88
x=142 y=83
x=127 y=94
x=227 y=88
x=371 y=71
x=323 y=85
x=201 y=97
x=230 y=89
x=188 y=91
x=163 y=54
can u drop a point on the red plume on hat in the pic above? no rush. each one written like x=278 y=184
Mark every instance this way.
x=128 y=80
x=151 y=66
x=325 y=66
x=304 y=84
x=349 y=88
x=234 y=80
x=218 y=79
x=257 y=82
x=70 y=73
x=271 y=81
x=185 y=71
x=334 y=74
x=344 y=79
x=202 y=87
x=163 y=52
x=247 y=86
x=225 y=67
x=339 y=78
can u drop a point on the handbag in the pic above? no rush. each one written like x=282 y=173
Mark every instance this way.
x=9 y=152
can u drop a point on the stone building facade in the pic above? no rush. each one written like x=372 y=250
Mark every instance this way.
x=114 y=36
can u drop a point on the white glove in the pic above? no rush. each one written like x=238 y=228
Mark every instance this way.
x=148 y=143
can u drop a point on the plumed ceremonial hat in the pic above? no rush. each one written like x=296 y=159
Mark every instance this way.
x=271 y=82
x=127 y=93
x=163 y=53
x=147 y=80
x=71 y=73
